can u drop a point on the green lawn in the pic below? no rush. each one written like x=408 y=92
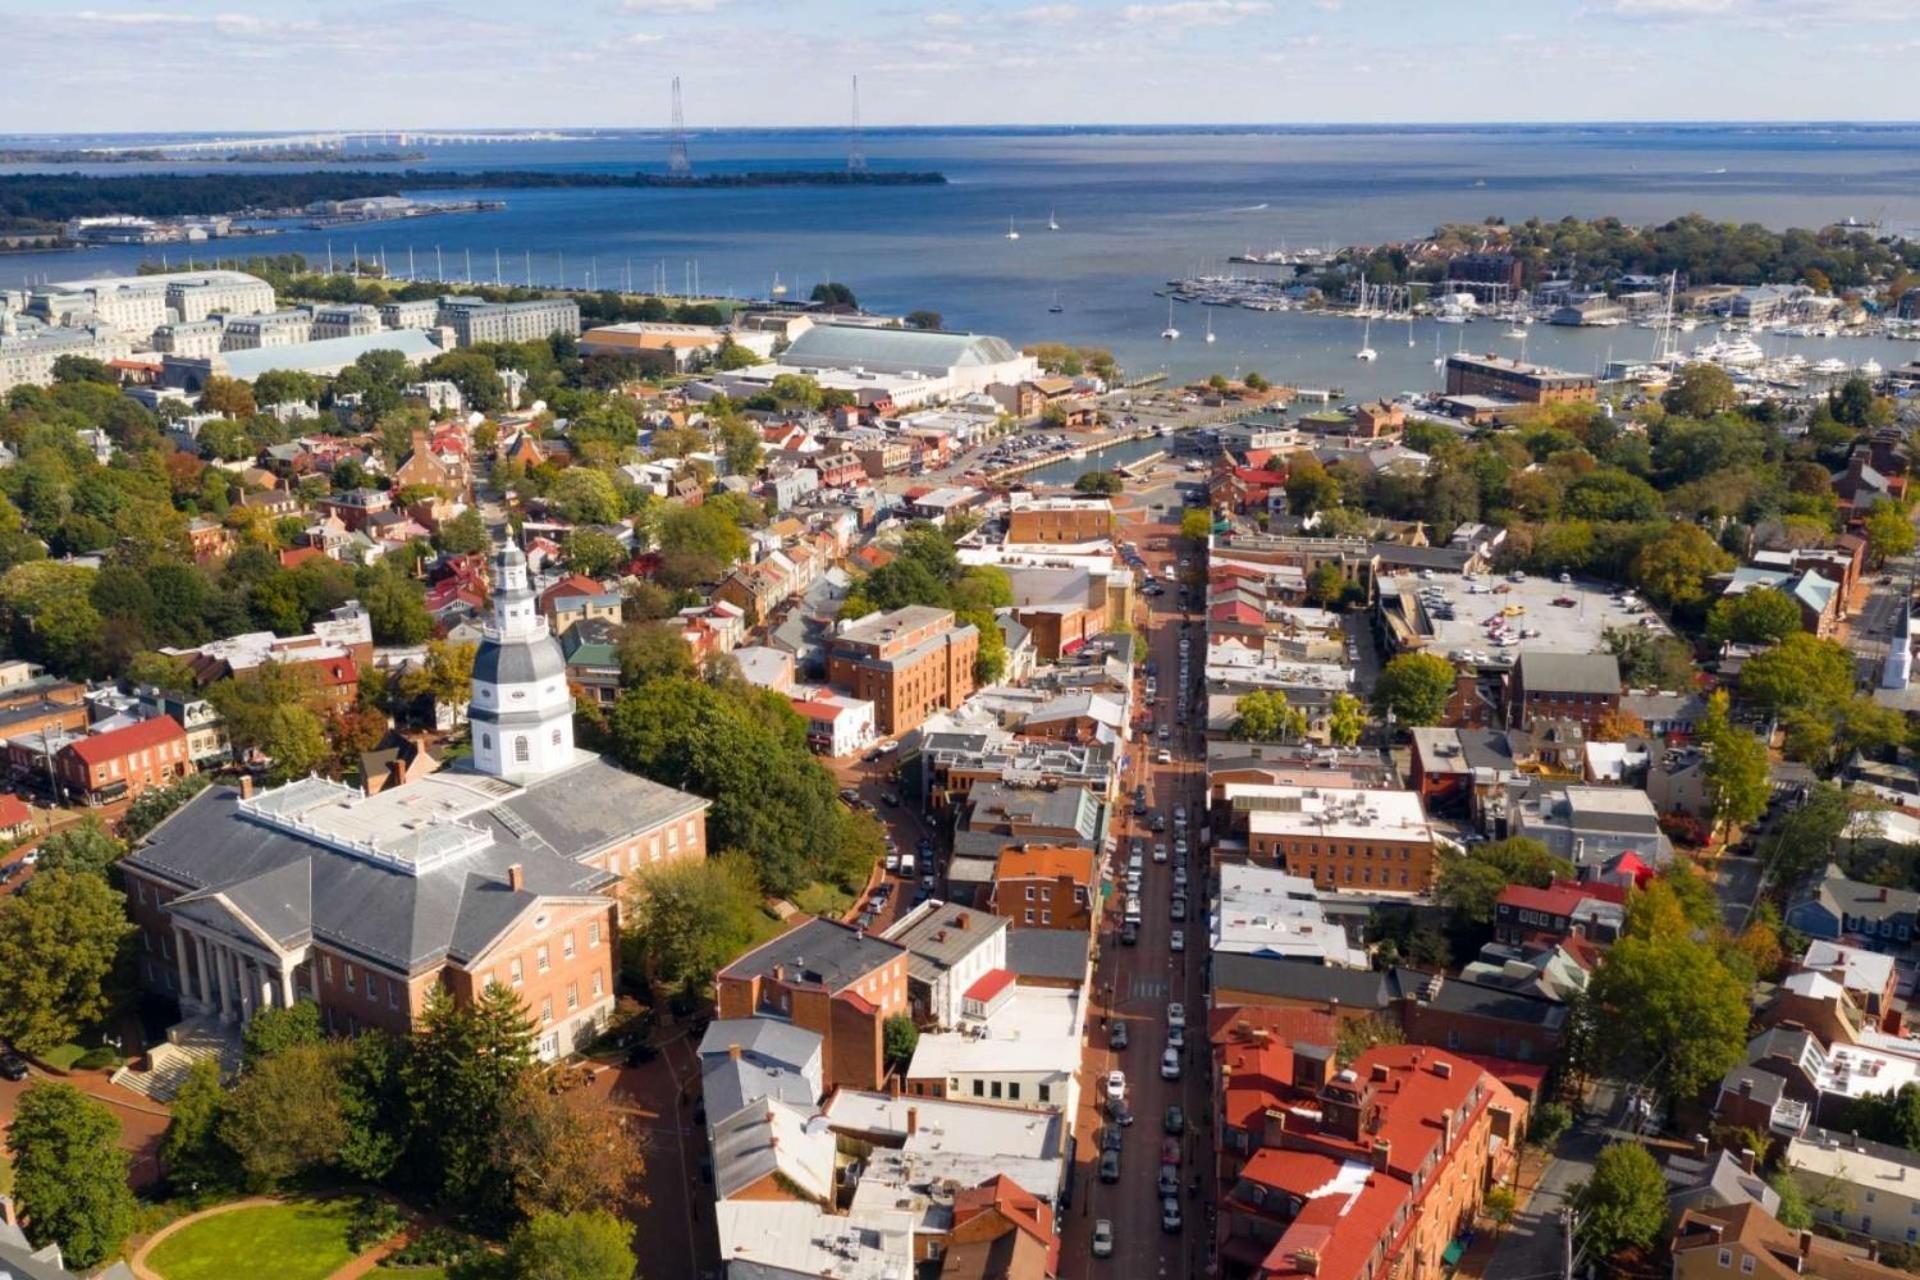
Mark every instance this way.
x=62 y=1056
x=823 y=899
x=412 y=1273
x=304 y=1240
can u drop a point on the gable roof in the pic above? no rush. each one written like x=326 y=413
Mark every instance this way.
x=115 y=744
x=1543 y=670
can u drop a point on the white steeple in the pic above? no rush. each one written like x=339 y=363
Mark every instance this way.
x=1898 y=671
x=522 y=712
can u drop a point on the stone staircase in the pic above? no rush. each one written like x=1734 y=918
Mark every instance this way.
x=187 y=1042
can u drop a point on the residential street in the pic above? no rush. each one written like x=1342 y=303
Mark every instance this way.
x=1534 y=1247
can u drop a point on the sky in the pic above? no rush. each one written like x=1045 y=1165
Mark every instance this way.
x=250 y=65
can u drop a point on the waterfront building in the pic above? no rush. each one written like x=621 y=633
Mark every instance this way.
x=968 y=362
x=477 y=320
x=189 y=338
x=270 y=329
x=1498 y=377
x=324 y=358
x=345 y=320
x=27 y=356
x=421 y=313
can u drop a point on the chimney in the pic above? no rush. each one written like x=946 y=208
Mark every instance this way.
x=733 y=1052
x=1702 y=1148
x=1273 y=1133
x=396 y=773
x=913 y=1121
x=1307 y=1261
x=1380 y=1072
x=1443 y=1069
x=246 y=786
x=1806 y=1243
x=960 y=920
x=1382 y=1152
x=1747 y=1159
x=516 y=877
x=1746 y=1086
x=779 y=973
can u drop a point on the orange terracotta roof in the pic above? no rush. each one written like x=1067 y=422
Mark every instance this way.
x=13 y=812
x=1046 y=862
x=116 y=744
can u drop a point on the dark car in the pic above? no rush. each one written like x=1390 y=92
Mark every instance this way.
x=13 y=1066
x=1180 y=908
x=1117 y=1036
x=1169 y=1180
x=1159 y=821
x=1109 y=1166
x=1175 y=1121
x=1129 y=934
x=1111 y=1137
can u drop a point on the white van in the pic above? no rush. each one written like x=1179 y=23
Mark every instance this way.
x=1133 y=910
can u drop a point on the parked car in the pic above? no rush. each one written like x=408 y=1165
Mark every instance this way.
x=1177 y=940
x=1117 y=1036
x=1109 y=1166
x=1130 y=934
x=1160 y=851
x=1111 y=1137
x=1116 y=1086
x=1170 y=1151
x=1176 y=1037
x=1170 y=1063
x=1170 y=1214
x=1169 y=1180
x=1176 y=1014
x=1103 y=1238
x=1163 y=756
x=13 y=1066
x=1175 y=1121
x=1179 y=908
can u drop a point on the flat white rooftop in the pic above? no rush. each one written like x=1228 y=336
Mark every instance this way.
x=1037 y=1030
x=1352 y=813
x=803 y=1239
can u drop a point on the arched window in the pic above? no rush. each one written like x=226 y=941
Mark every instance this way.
x=556 y=737
x=521 y=752
x=486 y=742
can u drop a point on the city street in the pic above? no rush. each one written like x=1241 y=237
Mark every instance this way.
x=1134 y=984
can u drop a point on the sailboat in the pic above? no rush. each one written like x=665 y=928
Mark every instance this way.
x=1209 y=326
x=1366 y=351
x=1011 y=233
x=1053 y=223
x=1409 y=322
x=1439 y=361
x=1170 y=333
x=1056 y=308
x=779 y=289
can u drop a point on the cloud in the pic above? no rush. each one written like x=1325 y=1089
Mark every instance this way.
x=1197 y=13
x=946 y=20
x=670 y=6
x=643 y=37
x=1668 y=8
x=1053 y=15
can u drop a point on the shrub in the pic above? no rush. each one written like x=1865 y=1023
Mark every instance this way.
x=376 y=1220
x=435 y=1247
x=96 y=1059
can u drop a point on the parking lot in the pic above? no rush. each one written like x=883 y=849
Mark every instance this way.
x=1537 y=612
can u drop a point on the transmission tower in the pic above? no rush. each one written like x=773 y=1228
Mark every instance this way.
x=678 y=165
x=856 y=152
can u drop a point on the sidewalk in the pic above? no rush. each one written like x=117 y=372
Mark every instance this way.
x=1479 y=1255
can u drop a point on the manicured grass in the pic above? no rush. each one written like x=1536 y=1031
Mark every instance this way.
x=823 y=899
x=62 y=1056
x=412 y=1273
x=303 y=1240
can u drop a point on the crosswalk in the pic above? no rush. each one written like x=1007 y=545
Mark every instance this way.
x=1149 y=989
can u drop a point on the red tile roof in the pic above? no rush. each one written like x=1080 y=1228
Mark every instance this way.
x=117 y=744
x=1236 y=611
x=1231 y=1023
x=13 y=812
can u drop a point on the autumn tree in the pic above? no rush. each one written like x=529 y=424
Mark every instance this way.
x=561 y=1154
x=1346 y=720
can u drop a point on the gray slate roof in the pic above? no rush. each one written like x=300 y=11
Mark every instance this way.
x=293 y=888
x=1543 y=671
x=825 y=953
x=1292 y=980
x=766 y=1038
x=1049 y=954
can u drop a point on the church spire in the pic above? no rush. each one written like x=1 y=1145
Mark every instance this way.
x=522 y=709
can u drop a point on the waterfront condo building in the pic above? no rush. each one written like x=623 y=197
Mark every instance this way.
x=1045 y=521
x=908 y=663
x=1497 y=376
x=829 y=978
x=505 y=870
x=477 y=320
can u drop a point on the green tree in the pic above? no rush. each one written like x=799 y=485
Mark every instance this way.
x=1310 y=487
x=651 y=651
x=900 y=1036
x=1549 y=1121
x=1800 y=841
x=1346 y=720
x=1700 y=391
x=1470 y=884
x=396 y=610
x=1414 y=688
x=1674 y=567
x=1099 y=482
x=1196 y=524
x=1326 y=585
x=190 y=1150
x=1355 y=1036
x=1265 y=716
x=273 y=1030
x=84 y=369
x=283 y=1120
x=1649 y=661
x=70 y=1173
x=923 y=320
x=1794 y=1213
x=481 y=387
x=1736 y=769
x=795 y=391
x=84 y=847
x=1673 y=1010
x=465 y=534
x=1889 y=532
x=583 y=495
x=466 y=1064
x=1763 y=616
x=60 y=941
x=689 y=918
x=373 y=1106
x=594 y=552
x=833 y=293
x=1802 y=671
x=732 y=356
x=1624 y=1204
x=571 y=1246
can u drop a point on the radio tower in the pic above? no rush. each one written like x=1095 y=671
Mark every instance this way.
x=856 y=153
x=678 y=165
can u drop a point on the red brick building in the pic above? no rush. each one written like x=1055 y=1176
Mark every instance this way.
x=1044 y=887
x=908 y=663
x=122 y=763
x=836 y=981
